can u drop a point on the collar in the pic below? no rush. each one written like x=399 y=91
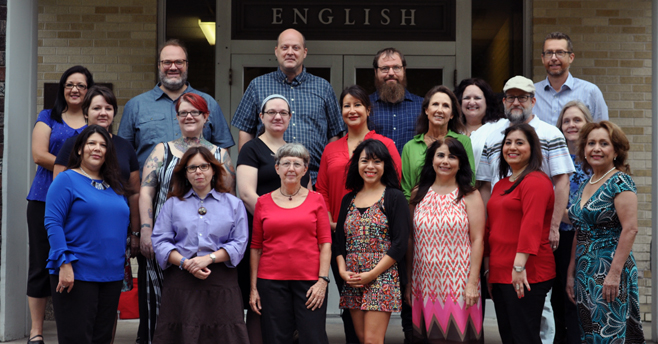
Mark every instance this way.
x=407 y=96
x=216 y=195
x=283 y=78
x=159 y=93
x=568 y=83
x=421 y=137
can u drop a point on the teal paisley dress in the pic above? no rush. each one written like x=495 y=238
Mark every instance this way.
x=598 y=234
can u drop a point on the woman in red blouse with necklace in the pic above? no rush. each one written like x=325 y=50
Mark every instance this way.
x=518 y=255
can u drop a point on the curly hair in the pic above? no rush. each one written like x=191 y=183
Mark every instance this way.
x=493 y=112
x=617 y=138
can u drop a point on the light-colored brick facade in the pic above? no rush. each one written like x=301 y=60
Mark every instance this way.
x=115 y=39
x=612 y=43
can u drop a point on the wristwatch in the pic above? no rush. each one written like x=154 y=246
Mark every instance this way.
x=519 y=268
x=137 y=234
x=213 y=257
x=182 y=260
x=326 y=278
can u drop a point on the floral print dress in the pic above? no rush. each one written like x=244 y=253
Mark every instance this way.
x=598 y=234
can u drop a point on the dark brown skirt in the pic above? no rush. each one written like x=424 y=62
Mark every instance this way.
x=201 y=311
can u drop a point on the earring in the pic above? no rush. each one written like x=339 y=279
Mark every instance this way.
x=615 y=159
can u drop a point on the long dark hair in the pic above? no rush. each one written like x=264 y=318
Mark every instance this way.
x=374 y=149
x=455 y=124
x=428 y=175
x=110 y=171
x=179 y=182
x=536 y=157
x=361 y=95
x=493 y=112
x=60 y=101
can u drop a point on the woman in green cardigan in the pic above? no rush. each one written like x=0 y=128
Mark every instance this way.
x=440 y=117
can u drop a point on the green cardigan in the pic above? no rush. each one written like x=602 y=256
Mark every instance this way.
x=413 y=159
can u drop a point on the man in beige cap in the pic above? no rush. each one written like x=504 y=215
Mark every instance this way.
x=519 y=101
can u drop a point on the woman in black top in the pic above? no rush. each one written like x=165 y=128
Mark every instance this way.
x=256 y=176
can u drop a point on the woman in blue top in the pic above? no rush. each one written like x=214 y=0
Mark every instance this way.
x=87 y=247
x=52 y=128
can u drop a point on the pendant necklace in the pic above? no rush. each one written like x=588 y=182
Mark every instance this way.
x=202 y=209
x=290 y=196
x=99 y=186
x=603 y=176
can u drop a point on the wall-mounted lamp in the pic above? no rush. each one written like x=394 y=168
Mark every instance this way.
x=208 y=29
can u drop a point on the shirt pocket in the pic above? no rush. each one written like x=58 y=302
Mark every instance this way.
x=151 y=126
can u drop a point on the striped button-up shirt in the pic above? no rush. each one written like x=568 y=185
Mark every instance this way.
x=396 y=121
x=550 y=103
x=315 y=114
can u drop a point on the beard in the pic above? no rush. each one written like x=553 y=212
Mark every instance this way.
x=172 y=83
x=516 y=118
x=391 y=93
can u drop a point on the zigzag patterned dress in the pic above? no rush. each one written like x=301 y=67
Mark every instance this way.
x=598 y=234
x=442 y=259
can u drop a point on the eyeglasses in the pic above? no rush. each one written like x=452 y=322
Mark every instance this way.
x=168 y=63
x=286 y=165
x=283 y=113
x=396 y=69
x=558 y=53
x=522 y=99
x=80 y=87
x=184 y=114
x=202 y=167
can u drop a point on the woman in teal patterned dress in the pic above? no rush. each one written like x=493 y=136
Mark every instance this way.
x=602 y=275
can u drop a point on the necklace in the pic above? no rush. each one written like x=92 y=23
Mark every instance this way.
x=513 y=178
x=100 y=186
x=290 y=196
x=603 y=176
x=202 y=210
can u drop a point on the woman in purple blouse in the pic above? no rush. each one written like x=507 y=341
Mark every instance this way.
x=199 y=238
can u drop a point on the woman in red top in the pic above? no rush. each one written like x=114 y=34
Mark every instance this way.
x=333 y=168
x=290 y=253
x=518 y=255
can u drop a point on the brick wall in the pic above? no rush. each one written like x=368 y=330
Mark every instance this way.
x=612 y=43
x=114 y=39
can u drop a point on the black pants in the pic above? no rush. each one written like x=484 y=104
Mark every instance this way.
x=519 y=320
x=284 y=310
x=87 y=313
x=38 y=279
x=348 y=326
x=567 y=330
x=143 y=329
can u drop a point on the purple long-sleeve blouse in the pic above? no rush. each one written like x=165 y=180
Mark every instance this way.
x=179 y=226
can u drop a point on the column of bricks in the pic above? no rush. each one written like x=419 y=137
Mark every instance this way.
x=612 y=43
x=114 y=39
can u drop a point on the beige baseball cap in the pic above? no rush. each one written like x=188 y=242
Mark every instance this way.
x=520 y=82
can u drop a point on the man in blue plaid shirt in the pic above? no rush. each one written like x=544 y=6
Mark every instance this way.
x=394 y=109
x=316 y=119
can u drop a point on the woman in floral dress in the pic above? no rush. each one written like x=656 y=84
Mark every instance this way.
x=371 y=238
x=602 y=275
x=447 y=245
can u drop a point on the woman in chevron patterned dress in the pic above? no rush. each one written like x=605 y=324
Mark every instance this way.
x=447 y=248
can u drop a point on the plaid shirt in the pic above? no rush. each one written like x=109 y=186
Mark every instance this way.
x=396 y=121
x=315 y=114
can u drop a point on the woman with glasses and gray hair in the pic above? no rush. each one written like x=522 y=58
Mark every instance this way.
x=192 y=114
x=199 y=238
x=257 y=176
x=290 y=254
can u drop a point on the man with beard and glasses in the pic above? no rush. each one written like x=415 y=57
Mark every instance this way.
x=316 y=119
x=394 y=109
x=148 y=119
x=519 y=101
x=560 y=87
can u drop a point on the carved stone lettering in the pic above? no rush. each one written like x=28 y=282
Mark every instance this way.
x=276 y=16
x=329 y=19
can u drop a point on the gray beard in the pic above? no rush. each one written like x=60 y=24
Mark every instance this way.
x=171 y=84
x=518 y=119
x=391 y=93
